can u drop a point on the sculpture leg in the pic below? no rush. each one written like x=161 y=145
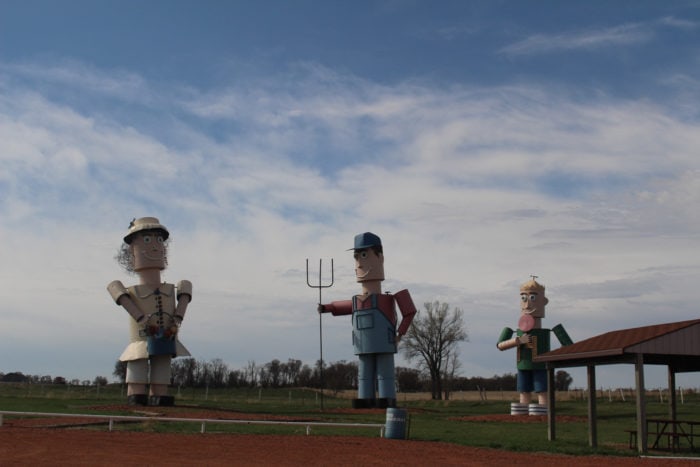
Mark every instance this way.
x=525 y=386
x=540 y=387
x=366 y=372
x=386 y=380
x=137 y=380
x=160 y=379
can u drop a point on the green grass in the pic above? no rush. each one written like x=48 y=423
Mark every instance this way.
x=429 y=420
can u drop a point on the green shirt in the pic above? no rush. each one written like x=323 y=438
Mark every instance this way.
x=540 y=344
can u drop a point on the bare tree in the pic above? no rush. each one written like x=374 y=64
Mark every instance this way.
x=100 y=381
x=274 y=372
x=452 y=366
x=433 y=338
x=408 y=379
x=341 y=375
x=217 y=372
x=290 y=371
x=120 y=371
x=305 y=376
x=251 y=373
x=185 y=371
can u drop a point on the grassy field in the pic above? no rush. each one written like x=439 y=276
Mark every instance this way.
x=429 y=420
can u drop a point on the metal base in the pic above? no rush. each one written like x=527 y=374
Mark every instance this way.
x=363 y=403
x=161 y=401
x=386 y=402
x=137 y=399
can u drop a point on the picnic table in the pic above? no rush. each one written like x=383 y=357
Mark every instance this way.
x=671 y=431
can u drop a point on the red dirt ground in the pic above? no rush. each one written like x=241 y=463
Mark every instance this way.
x=39 y=442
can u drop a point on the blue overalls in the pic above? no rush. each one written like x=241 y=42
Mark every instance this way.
x=374 y=339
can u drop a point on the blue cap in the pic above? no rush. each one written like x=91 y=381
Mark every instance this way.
x=366 y=240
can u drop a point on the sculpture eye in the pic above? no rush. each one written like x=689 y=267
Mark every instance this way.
x=146 y=239
x=523 y=298
x=160 y=239
x=363 y=254
x=533 y=297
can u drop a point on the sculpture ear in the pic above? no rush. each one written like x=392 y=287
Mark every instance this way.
x=546 y=300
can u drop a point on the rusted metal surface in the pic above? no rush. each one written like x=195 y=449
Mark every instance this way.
x=679 y=338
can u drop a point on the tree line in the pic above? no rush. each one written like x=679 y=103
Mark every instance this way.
x=336 y=376
x=19 y=377
x=432 y=340
x=190 y=372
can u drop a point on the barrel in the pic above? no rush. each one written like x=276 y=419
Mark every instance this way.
x=396 y=423
x=516 y=408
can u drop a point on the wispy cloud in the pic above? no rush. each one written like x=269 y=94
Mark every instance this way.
x=679 y=23
x=623 y=35
x=116 y=83
x=455 y=32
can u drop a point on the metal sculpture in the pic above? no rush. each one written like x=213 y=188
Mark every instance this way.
x=530 y=340
x=375 y=334
x=156 y=309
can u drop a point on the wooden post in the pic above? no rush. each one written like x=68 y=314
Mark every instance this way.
x=641 y=404
x=592 y=422
x=672 y=407
x=551 y=401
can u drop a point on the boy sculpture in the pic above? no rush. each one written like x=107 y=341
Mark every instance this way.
x=156 y=309
x=374 y=332
x=531 y=340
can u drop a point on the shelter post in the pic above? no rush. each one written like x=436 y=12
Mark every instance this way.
x=551 y=396
x=641 y=404
x=592 y=417
x=672 y=407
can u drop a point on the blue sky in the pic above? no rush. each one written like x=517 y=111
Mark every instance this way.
x=483 y=141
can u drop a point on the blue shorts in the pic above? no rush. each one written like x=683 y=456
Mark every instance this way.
x=532 y=380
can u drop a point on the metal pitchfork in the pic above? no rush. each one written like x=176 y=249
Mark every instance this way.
x=320 y=287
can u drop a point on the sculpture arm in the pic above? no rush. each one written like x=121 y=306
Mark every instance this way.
x=184 y=297
x=121 y=297
x=408 y=311
x=562 y=335
x=341 y=307
x=506 y=340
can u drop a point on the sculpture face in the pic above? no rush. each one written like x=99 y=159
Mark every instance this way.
x=149 y=250
x=369 y=266
x=532 y=303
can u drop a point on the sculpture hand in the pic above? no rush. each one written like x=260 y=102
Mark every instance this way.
x=525 y=339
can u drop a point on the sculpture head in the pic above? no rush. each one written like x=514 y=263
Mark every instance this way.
x=145 y=245
x=369 y=258
x=532 y=299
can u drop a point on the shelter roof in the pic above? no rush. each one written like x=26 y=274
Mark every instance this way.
x=678 y=341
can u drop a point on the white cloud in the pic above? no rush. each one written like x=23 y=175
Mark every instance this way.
x=622 y=35
x=462 y=185
x=679 y=23
x=119 y=84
